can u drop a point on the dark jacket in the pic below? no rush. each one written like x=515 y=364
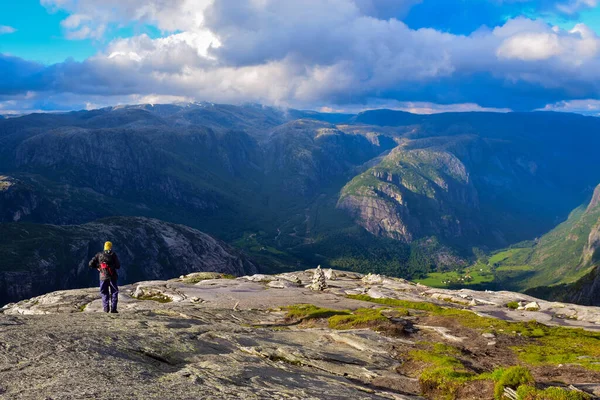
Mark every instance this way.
x=111 y=260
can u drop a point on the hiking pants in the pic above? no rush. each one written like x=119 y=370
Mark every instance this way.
x=106 y=287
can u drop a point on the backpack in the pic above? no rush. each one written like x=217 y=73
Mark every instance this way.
x=105 y=268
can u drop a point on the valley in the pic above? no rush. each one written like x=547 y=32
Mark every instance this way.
x=433 y=198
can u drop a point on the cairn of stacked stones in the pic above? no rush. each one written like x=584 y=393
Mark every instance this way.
x=318 y=281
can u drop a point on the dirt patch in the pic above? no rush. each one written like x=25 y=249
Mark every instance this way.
x=479 y=351
x=476 y=390
x=567 y=374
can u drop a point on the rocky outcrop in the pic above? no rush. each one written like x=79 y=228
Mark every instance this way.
x=414 y=194
x=37 y=259
x=16 y=200
x=380 y=217
x=565 y=258
x=591 y=252
x=31 y=198
x=586 y=290
x=201 y=337
x=595 y=202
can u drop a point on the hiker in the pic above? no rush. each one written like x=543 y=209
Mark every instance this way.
x=107 y=263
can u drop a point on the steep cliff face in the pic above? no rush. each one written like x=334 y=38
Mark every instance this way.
x=413 y=194
x=595 y=199
x=591 y=252
x=16 y=199
x=586 y=291
x=117 y=163
x=36 y=259
x=32 y=198
x=570 y=253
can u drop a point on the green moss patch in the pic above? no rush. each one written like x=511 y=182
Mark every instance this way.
x=527 y=392
x=361 y=318
x=512 y=377
x=161 y=298
x=563 y=346
x=413 y=305
x=444 y=373
x=309 y=311
x=365 y=318
x=203 y=276
x=438 y=355
x=546 y=345
x=513 y=305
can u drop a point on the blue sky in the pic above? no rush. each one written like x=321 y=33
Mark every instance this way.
x=347 y=55
x=38 y=35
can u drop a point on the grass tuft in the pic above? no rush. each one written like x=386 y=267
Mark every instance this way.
x=361 y=318
x=413 y=305
x=206 y=276
x=526 y=392
x=309 y=311
x=512 y=377
x=161 y=298
x=513 y=305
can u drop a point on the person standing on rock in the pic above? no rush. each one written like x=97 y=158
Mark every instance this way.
x=107 y=263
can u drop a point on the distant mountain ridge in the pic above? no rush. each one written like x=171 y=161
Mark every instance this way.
x=297 y=187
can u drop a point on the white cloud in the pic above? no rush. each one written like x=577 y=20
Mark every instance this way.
x=535 y=42
x=530 y=47
x=585 y=106
x=6 y=29
x=574 y=6
x=91 y=18
x=314 y=52
x=414 y=107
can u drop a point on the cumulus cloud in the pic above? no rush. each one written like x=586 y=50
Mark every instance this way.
x=6 y=29
x=309 y=53
x=414 y=107
x=91 y=18
x=574 y=6
x=541 y=42
x=584 y=106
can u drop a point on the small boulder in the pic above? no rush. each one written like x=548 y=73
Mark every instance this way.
x=330 y=274
x=282 y=284
x=259 y=278
x=533 y=306
x=372 y=279
x=139 y=292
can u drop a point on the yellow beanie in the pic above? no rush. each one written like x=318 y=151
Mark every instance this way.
x=107 y=246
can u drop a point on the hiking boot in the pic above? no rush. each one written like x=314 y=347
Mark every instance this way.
x=106 y=310
x=114 y=311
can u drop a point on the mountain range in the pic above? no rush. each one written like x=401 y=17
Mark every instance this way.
x=383 y=191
